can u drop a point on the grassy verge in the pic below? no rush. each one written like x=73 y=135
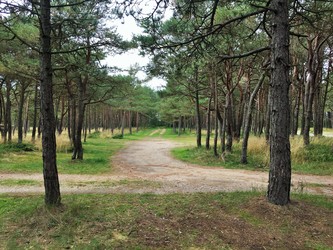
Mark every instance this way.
x=98 y=150
x=314 y=159
x=242 y=220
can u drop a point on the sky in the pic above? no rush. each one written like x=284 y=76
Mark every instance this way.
x=127 y=28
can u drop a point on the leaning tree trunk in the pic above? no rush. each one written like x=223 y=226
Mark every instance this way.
x=50 y=172
x=247 y=121
x=280 y=163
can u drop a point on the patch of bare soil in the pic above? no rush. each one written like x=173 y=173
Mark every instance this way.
x=150 y=164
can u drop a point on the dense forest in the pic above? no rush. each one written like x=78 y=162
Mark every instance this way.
x=232 y=68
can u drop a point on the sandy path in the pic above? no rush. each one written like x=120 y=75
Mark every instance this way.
x=149 y=167
x=151 y=159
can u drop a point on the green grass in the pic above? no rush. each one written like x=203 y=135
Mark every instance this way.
x=98 y=150
x=237 y=220
x=22 y=182
x=315 y=159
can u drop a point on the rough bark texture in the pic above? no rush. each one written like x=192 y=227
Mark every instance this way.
x=280 y=164
x=51 y=181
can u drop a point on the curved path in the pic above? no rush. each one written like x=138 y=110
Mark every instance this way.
x=147 y=166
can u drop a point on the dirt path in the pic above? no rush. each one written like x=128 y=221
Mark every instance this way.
x=147 y=166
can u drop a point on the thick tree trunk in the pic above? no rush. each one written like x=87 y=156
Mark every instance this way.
x=247 y=121
x=50 y=172
x=280 y=163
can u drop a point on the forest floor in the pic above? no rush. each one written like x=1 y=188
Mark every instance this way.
x=146 y=166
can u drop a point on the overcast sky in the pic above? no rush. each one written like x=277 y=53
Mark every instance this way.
x=127 y=29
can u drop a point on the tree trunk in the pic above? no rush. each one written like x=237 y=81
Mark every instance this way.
x=34 y=121
x=123 y=119
x=20 y=115
x=208 y=125
x=130 y=121
x=197 y=108
x=179 y=125
x=247 y=121
x=280 y=163
x=137 y=121
x=78 y=149
x=8 y=116
x=50 y=172
x=229 y=122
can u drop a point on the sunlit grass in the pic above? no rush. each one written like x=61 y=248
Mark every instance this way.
x=314 y=159
x=20 y=182
x=98 y=150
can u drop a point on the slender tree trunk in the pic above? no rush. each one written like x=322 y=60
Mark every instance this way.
x=248 y=118
x=62 y=115
x=179 y=125
x=130 y=121
x=20 y=115
x=34 y=121
x=208 y=123
x=26 y=119
x=268 y=118
x=137 y=121
x=78 y=149
x=280 y=163
x=123 y=119
x=197 y=108
x=50 y=172
x=8 y=116
x=229 y=122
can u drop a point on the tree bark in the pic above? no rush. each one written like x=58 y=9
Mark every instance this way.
x=8 y=116
x=247 y=121
x=78 y=149
x=20 y=115
x=34 y=121
x=50 y=172
x=280 y=163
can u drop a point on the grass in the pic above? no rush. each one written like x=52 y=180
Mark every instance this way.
x=127 y=183
x=314 y=159
x=99 y=148
x=240 y=220
x=21 y=182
